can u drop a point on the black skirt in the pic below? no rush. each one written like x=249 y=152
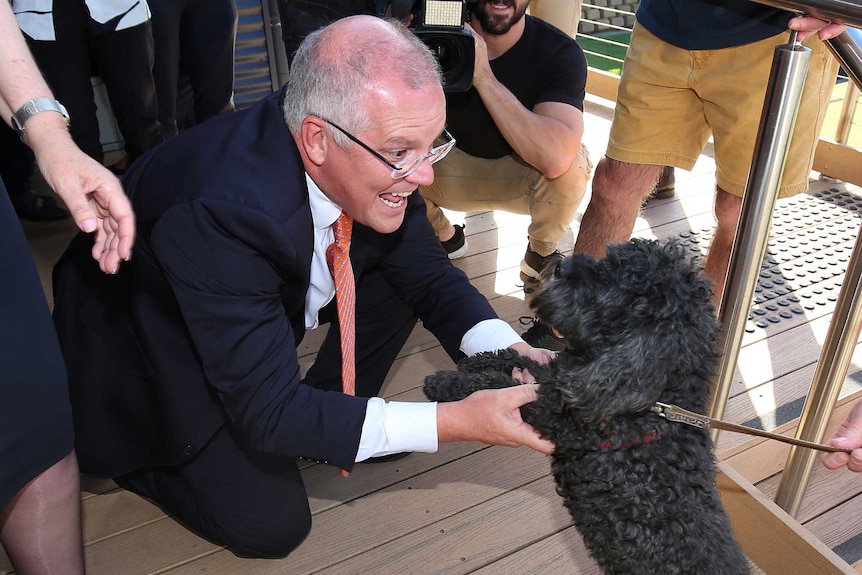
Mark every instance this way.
x=35 y=415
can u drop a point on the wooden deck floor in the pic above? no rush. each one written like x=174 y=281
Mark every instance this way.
x=489 y=510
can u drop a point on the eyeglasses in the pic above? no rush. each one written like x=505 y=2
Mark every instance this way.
x=407 y=166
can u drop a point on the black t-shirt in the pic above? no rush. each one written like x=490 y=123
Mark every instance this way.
x=711 y=24
x=545 y=65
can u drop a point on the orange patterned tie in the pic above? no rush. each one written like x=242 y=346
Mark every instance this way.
x=338 y=258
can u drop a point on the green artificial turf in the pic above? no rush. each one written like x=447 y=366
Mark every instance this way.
x=603 y=52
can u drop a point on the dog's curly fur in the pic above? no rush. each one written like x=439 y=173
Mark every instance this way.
x=640 y=328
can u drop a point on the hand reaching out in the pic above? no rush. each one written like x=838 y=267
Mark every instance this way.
x=849 y=435
x=92 y=193
x=807 y=26
x=492 y=416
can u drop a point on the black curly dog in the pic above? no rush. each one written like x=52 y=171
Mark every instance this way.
x=640 y=328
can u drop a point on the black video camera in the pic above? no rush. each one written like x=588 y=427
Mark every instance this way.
x=440 y=25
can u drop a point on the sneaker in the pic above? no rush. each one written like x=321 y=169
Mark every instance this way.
x=540 y=335
x=664 y=187
x=533 y=264
x=456 y=246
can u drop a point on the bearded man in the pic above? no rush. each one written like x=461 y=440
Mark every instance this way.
x=518 y=131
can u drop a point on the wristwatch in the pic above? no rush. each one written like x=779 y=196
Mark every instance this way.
x=32 y=107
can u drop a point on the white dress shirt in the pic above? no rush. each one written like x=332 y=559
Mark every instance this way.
x=389 y=426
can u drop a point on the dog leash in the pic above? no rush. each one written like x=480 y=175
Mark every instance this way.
x=680 y=415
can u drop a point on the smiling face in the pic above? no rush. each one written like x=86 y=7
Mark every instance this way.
x=403 y=123
x=498 y=16
x=378 y=82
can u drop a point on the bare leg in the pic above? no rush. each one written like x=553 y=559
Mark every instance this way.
x=619 y=189
x=40 y=529
x=727 y=208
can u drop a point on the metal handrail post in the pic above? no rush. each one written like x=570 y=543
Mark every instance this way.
x=784 y=92
x=849 y=55
x=846 y=11
x=837 y=351
x=828 y=378
x=279 y=67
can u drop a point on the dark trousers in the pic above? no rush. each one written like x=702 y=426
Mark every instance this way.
x=194 y=43
x=16 y=162
x=256 y=504
x=123 y=59
x=35 y=415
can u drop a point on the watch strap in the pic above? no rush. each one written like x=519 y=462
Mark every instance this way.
x=36 y=106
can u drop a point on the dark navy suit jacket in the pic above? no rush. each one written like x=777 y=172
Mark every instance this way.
x=202 y=326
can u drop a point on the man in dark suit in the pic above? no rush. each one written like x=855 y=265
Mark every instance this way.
x=184 y=375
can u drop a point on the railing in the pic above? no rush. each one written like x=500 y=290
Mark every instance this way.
x=833 y=159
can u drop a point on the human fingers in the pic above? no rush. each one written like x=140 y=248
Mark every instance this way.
x=539 y=355
x=542 y=356
x=831 y=31
x=848 y=435
x=522 y=394
x=79 y=206
x=834 y=460
x=855 y=463
x=522 y=376
x=807 y=26
x=117 y=226
x=533 y=440
x=526 y=434
x=122 y=222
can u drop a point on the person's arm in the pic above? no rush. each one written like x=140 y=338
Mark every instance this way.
x=547 y=137
x=92 y=194
x=848 y=435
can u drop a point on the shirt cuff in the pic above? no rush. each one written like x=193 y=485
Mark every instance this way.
x=489 y=335
x=396 y=426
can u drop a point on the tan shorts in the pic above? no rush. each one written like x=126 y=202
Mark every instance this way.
x=466 y=183
x=670 y=100
x=564 y=14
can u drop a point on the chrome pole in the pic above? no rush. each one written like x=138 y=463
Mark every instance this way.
x=829 y=376
x=849 y=55
x=278 y=59
x=837 y=351
x=786 y=79
x=847 y=11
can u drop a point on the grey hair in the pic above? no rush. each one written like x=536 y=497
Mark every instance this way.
x=330 y=79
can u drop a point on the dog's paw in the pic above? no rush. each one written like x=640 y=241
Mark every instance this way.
x=444 y=386
x=456 y=385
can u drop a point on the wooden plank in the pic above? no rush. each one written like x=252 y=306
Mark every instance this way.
x=838 y=161
x=394 y=512
x=116 y=512
x=327 y=489
x=825 y=490
x=840 y=529
x=469 y=540
x=562 y=553
x=602 y=84
x=770 y=537
x=147 y=549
